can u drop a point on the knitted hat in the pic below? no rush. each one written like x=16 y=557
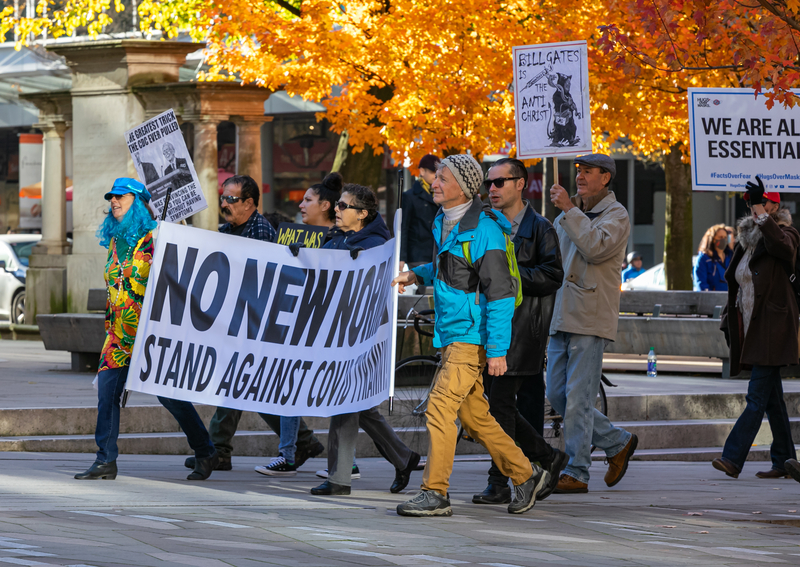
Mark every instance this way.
x=467 y=171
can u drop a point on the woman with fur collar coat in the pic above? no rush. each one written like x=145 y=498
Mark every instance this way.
x=760 y=323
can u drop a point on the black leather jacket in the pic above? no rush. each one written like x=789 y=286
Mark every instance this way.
x=539 y=260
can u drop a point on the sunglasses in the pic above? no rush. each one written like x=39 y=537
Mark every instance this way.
x=342 y=206
x=498 y=182
x=230 y=199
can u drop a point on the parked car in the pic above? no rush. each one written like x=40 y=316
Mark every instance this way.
x=15 y=249
x=652 y=280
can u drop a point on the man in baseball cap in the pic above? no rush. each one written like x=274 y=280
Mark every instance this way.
x=593 y=233
x=474 y=294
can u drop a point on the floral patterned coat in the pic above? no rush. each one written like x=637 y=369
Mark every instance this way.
x=126 y=280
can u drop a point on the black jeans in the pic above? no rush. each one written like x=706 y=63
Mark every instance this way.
x=226 y=420
x=530 y=401
x=502 y=392
x=764 y=395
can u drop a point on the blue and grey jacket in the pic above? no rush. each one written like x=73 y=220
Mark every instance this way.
x=474 y=303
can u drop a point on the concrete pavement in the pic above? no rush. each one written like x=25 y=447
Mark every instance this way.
x=661 y=514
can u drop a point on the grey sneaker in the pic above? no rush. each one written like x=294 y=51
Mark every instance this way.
x=426 y=503
x=525 y=493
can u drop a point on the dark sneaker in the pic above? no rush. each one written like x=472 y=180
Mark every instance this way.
x=355 y=474
x=426 y=503
x=307 y=451
x=278 y=467
x=224 y=463
x=525 y=493
x=329 y=488
x=557 y=464
x=493 y=495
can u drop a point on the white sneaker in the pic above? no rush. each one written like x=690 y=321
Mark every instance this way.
x=278 y=467
x=356 y=473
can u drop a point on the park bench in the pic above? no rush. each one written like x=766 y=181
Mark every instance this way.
x=82 y=334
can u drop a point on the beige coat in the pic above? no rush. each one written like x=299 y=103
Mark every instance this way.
x=592 y=251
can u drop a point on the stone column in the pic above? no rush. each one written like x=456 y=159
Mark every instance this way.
x=206 y=165
x=248 y=149
x=54 y=190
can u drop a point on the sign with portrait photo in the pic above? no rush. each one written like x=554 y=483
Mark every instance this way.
x=162 y=161
x=551 y=99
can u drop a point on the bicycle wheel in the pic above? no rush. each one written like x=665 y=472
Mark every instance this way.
x=414 y=377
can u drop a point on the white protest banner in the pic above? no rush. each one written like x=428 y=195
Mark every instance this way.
x=735 y=137
x=162 y=161
x=551 y=99
x=239 y=323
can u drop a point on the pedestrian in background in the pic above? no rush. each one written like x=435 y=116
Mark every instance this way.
x=634 y=268
x=539 y=261
x=474 y=297
x=593 y=231
x=127 y=232
x=760 y=325
x=419 y=210
x=713 y=258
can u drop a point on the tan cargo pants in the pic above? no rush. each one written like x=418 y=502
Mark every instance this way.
x=458 y=392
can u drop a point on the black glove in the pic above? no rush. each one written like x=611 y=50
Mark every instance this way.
x=756 y=192
x=354 y=252
x=295 y=247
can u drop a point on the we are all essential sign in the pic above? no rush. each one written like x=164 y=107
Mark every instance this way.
x=735 y=137
x=239 y=323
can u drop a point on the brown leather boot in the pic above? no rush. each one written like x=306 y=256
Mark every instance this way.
x=618 y=464
x=570 y=485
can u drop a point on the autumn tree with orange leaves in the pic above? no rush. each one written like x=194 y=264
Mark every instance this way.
x=432 y=76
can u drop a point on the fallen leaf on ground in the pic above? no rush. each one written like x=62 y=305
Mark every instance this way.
x=776 y=489
x=700 y=532
x=665 y=526
x=719 y=499
x=606 y=497
x=792 y=511
x=756 y=512
x=694 y=514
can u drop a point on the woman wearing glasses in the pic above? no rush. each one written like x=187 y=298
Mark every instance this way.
x=361 y=227
x=127 y=232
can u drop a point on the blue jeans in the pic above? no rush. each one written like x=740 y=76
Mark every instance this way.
x=110 y=384
x=764 y=395
x=288 y=444
x=574 y=367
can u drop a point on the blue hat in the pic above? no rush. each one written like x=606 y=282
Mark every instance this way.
x=125 y=185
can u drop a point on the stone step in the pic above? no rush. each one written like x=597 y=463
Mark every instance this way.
x=155 y=419
x=686 y=434
x=684 y=406
x=245 y=443
x=694 y=454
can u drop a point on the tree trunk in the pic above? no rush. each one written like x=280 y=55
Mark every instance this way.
x=678 y=238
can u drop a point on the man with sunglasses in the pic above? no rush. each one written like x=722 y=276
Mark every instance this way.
x=593 y=231
x=539 y=261
x=238 y=205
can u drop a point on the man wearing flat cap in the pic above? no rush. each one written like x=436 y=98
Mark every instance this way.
x=474 y=294
x=593 y=231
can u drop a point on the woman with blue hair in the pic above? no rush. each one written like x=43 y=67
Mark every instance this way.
x=127 y=232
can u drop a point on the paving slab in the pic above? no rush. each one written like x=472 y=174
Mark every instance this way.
x=661 y=514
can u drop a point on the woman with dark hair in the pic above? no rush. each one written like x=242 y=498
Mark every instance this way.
x=317 y=207
x=361 y=227
x=127 y=232
x=713 y=258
